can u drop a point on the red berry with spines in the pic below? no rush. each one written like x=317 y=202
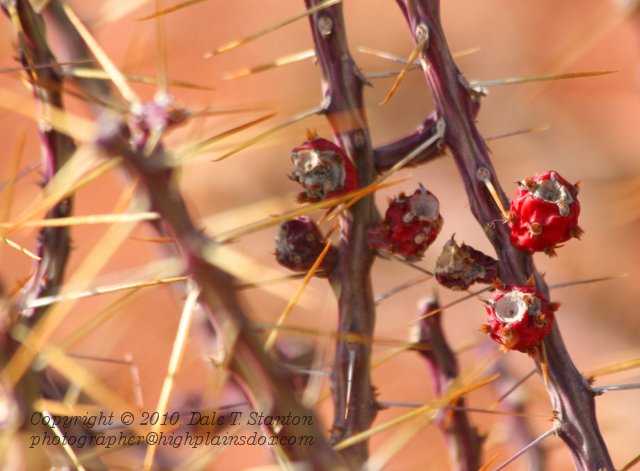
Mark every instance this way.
x=410 y=225
x=544 y=213
x=518 y=317
x=323 y=169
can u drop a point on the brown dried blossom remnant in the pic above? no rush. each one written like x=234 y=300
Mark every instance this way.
x=460 y=266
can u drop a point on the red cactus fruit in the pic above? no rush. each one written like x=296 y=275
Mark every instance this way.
x=409 y=227
x=518 y=317
x=544 y=213
x=323 y=170
x=299 y=243
x=459 y=266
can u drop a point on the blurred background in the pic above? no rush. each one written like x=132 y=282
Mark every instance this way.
x=592 y=137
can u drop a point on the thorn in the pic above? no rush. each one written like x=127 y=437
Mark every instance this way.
x=412 y=265
x=402 y=60
x=526 y=448
x=252 y=37
x=577 y=232
x=517 y=132
x=531 y=281
x=615 y=368
x=312 y=134
x=541 y=352
x=494 y=194
x=516 y=386
x=488 y=463
x=271 y=340
x=284 y=60
x=631 y=464
x=397 y=289
x=616 y=387
x=538 y=78
x=452 y=303
x=19 y=248
x=269 y=132
x=161 y=49
x=409 y=64
x=198 y=146
x=115 y=75
x=168 y=10
x=350 y=373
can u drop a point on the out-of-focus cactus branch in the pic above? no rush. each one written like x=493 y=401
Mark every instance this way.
x=54 y=243
x=267 y=384
x=464 y=441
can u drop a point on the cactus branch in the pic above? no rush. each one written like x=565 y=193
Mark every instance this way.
x=521 y=434
x=464 y=441
x=388 y=155
x=353 y=395
x=571 y=395
x=54 y=242
x=266 y=383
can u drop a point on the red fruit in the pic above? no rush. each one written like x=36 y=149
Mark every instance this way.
x=323 y=169
x=518 y=317
x=299 y=243
x=544 y=213
x=410 y=225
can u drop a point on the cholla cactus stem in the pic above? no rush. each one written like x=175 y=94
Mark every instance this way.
x=54 y=243
x=571 y=395
x=464 y=441
x=353 y=394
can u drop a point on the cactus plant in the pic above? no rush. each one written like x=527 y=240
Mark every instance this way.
x=236 y=389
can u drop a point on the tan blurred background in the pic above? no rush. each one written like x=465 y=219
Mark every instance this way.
x=593 y=137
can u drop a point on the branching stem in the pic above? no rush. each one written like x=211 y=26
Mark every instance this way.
x=353 y=395
x=571 y=395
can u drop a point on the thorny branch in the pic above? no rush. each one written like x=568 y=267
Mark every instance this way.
x=54 y=243
x=513 y=400
x=571 y=395
x=266 y=382
x=353 y=394
x=268 y=385
x=388 y=155
x=464 y=441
